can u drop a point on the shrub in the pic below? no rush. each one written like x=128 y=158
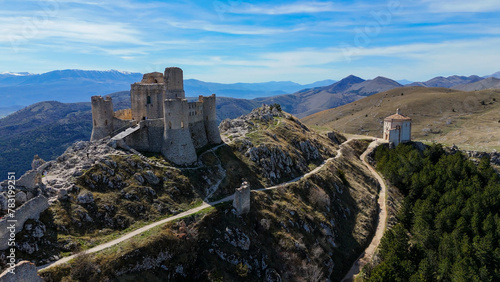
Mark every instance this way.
x=82 y=268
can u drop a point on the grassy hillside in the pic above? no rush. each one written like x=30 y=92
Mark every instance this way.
x=46 y=129
x=467 y=119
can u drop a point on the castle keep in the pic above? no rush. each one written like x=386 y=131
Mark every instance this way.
x=160 y=120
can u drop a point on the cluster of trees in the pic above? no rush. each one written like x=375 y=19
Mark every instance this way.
x=449 y=223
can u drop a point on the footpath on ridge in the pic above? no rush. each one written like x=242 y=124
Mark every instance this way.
x=367 y=255
x=380 y=229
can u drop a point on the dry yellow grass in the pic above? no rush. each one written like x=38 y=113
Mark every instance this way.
x=471 y=120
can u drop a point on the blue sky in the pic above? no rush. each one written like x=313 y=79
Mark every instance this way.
x=254 y=41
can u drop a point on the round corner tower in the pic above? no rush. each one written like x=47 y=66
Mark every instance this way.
x=102 y=117
x=174 y=82
x=177 y=144
x=210 y=119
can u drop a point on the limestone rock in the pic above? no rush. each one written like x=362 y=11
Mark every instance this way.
x=139 y=178
x=62 y=195
x=337 y=138
x=3 y=202
x=85 y=197
x=21 y=198
x=28 y=247
x=37 y=162
x=24 y=271
x=151 y=178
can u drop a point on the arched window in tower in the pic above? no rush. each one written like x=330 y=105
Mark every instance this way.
x=148 y=100
x=95 y=122
x=182 y=124
x=169 y=125
x=106 y=122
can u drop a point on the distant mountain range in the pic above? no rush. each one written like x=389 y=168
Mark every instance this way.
x=487 y=83
x=349 y=89
x=71 y=86
x=495 y=75
x=448 y=82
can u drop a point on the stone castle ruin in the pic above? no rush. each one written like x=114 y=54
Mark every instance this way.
x=160 y=120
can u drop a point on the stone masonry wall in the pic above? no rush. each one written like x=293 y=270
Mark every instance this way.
x=177 y=143
x=149 y=138
x=174 y=81
x=102 y=117
x=210 y=119
x=241 y=200
x=30 y=210
x=144 y=107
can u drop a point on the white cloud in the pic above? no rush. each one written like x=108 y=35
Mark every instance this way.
x=463 y=6
x=230 y=29
x=420 y=61
x=23 y=29
x=308 y=7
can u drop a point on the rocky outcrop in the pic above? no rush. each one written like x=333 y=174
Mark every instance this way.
x=37 y=162
x=279 y=144
x=238 y=127
x=24 y=271
x=85 y=198
x=336 y=137
x=273 y=161
x=493 y=156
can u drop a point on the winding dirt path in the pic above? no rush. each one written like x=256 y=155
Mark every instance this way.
x=367 y=255
x=206 y=205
